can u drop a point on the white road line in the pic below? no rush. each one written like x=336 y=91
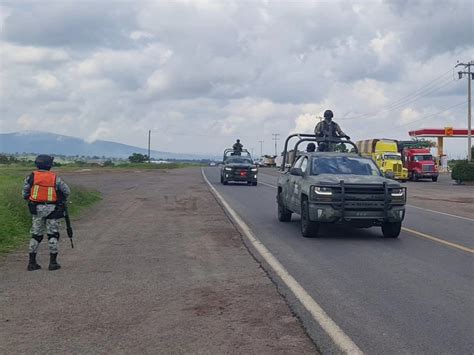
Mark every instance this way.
x=342 y=341
x=418 y=208
x=444 y=214
x=264 y=183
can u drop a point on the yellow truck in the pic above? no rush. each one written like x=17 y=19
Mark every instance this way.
x=385 y=153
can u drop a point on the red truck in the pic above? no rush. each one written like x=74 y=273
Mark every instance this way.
x=418 y=160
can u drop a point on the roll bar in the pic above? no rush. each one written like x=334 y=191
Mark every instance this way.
x=305 y=137
x=231 y=150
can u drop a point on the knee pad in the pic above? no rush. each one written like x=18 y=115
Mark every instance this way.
x=54 y=235
x=38 y=238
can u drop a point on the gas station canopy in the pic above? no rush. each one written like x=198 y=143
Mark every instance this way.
x=439 y=132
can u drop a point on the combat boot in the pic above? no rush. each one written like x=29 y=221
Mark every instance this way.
x=53 y=264
x=32 y=264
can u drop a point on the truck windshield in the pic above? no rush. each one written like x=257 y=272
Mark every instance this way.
x=343 y=165
x=392 y=156
x=422 y=157
x=234 y=160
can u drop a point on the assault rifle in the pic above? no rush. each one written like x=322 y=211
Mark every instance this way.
x=68 y=224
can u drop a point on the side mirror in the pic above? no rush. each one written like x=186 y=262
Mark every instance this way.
x=390 y=175
x=296 y=171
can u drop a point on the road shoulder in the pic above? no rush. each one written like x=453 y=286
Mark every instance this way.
x=158 y=267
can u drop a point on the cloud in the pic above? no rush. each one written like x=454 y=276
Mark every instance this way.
x=47 y=81
x=201 y=73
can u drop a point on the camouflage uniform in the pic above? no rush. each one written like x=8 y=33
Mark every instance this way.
x=237 y=147
x=328 y=129
x=40 y=223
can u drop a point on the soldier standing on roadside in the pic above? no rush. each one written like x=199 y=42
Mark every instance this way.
x=46 y=194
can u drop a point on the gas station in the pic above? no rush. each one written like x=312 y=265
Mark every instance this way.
x=440 y=134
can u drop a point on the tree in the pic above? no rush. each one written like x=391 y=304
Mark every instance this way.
x=138 y=158
x=341 y=147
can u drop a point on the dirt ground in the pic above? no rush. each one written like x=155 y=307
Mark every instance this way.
x=157 y=268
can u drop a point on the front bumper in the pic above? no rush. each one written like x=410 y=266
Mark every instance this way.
x=230 y=176
x=326 y=213
x=426 y=174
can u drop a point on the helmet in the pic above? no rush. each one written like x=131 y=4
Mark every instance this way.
x=44 y=162
x=322 y=147
x=311 y=147
x=328 y=114
x=238 y=140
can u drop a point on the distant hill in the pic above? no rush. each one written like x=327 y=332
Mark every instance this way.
x=50 y=143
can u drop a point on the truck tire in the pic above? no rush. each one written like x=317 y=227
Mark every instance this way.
x=225 y=182
x=284 y=215
x=254 y=183
x=309 y=229
x=434 y=178
x=391 y=230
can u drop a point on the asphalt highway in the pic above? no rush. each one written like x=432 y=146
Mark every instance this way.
x=413 y=294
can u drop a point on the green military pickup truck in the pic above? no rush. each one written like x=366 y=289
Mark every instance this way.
x=337 y=185
x=238 y=166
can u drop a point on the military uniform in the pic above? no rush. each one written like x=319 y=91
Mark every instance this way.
x=237 y=147
x=45 y=192
x=328 y=129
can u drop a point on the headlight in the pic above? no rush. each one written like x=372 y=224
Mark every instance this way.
x=320 y=190
x=254 y=169
x=228 y=169
x=397 y=192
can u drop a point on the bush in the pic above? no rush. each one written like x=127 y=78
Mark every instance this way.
x=108 y=163
x=138 y=158
x=463 y=171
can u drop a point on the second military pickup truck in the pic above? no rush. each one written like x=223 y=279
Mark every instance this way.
x=338 y=186
x=238 y=166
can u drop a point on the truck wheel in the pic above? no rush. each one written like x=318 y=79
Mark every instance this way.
x=434 y=178
x=309 y=229
x=391 y=230
x=284 y=215
x=222 y=179
x=224 y=182
x=254 y=183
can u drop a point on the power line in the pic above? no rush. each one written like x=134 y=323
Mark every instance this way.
x=428 y=88
x=424 y=117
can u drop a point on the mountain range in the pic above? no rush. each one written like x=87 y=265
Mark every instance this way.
x=49 y=143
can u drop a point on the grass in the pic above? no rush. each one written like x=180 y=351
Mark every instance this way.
x=15 y=220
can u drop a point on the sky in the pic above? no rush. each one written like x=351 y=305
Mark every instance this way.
x=200 y=74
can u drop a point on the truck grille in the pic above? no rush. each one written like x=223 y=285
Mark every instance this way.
x=368 y=198
x=397 y=168
x=428 y=167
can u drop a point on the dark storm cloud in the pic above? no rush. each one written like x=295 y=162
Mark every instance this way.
x=78 y=24
x=432 y=27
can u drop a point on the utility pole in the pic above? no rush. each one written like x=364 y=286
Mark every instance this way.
x=149 y=141
x=470 y=77
x=276 y=139
x=261 y=148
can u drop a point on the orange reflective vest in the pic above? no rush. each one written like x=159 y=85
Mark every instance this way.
x=43 y=188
